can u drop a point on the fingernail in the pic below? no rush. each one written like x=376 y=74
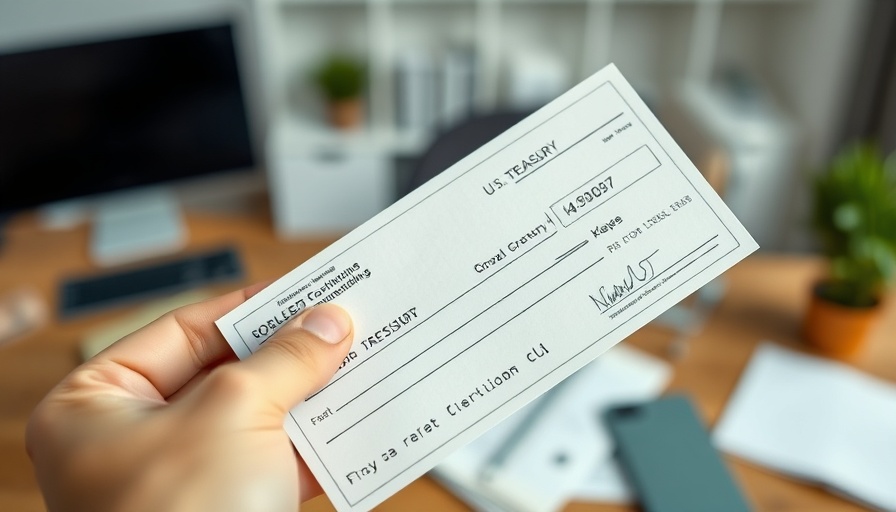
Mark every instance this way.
x=328 y=322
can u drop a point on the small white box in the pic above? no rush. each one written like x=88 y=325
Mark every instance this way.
x=326 y=193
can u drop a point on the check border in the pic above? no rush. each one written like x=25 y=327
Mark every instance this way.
x=561 y=365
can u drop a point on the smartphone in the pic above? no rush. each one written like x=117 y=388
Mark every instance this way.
x=669 y=460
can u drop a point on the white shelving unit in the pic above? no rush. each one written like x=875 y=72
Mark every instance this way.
x=655 y=42
x=801 y=51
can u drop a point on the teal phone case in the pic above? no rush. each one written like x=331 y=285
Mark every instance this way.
x=669 y=460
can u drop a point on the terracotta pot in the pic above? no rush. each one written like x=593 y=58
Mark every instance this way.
x=346 y=114
x=838 y=331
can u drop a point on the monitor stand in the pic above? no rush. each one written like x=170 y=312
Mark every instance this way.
x=135 y=225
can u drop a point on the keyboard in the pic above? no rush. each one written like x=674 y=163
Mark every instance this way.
x=91 y=293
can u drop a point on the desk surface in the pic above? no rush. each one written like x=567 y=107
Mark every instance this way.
x=765 y=300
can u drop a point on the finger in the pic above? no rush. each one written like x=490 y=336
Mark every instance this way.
x=300 y=358
x=309 y=487
x=197 y=379
x=171 y=350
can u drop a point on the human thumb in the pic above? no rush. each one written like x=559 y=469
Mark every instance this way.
x=301 y=357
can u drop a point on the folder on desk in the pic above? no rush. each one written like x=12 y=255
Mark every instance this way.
x=815 y=419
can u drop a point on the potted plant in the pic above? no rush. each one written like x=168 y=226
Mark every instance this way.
x=854 y=214
x=341 y=79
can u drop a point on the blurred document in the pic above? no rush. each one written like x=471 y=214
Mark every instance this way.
x=815 y=419
x=557 y=448
x=606 y=484
x=493 y=282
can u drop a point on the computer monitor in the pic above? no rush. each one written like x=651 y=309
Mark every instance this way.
x=103 y=116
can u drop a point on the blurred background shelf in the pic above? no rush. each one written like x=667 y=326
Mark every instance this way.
x=799 y=58
x=519 y=54
x=650 y=40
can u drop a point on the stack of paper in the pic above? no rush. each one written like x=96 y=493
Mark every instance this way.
x=815 y=419
x=556 y=448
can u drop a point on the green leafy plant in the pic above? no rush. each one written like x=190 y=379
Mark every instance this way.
x=340 y=77
x=854 y=214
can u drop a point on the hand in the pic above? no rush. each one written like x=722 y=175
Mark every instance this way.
x=167 y=419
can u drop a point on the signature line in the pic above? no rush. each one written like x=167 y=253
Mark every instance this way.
x=629 y=294
x=569 y=252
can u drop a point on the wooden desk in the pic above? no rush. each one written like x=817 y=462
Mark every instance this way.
x=765 y=300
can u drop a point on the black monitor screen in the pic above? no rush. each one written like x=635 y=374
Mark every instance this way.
x=91 y=118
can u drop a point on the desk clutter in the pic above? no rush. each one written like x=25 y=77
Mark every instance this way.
x=763 y=300
x=556 y=450
x=21 y=311
x=808 y=417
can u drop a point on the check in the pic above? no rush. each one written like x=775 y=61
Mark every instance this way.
x=493 y=282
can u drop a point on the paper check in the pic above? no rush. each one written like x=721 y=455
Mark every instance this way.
x=493 y=282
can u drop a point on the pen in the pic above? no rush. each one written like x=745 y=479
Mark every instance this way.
x=497 y=460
